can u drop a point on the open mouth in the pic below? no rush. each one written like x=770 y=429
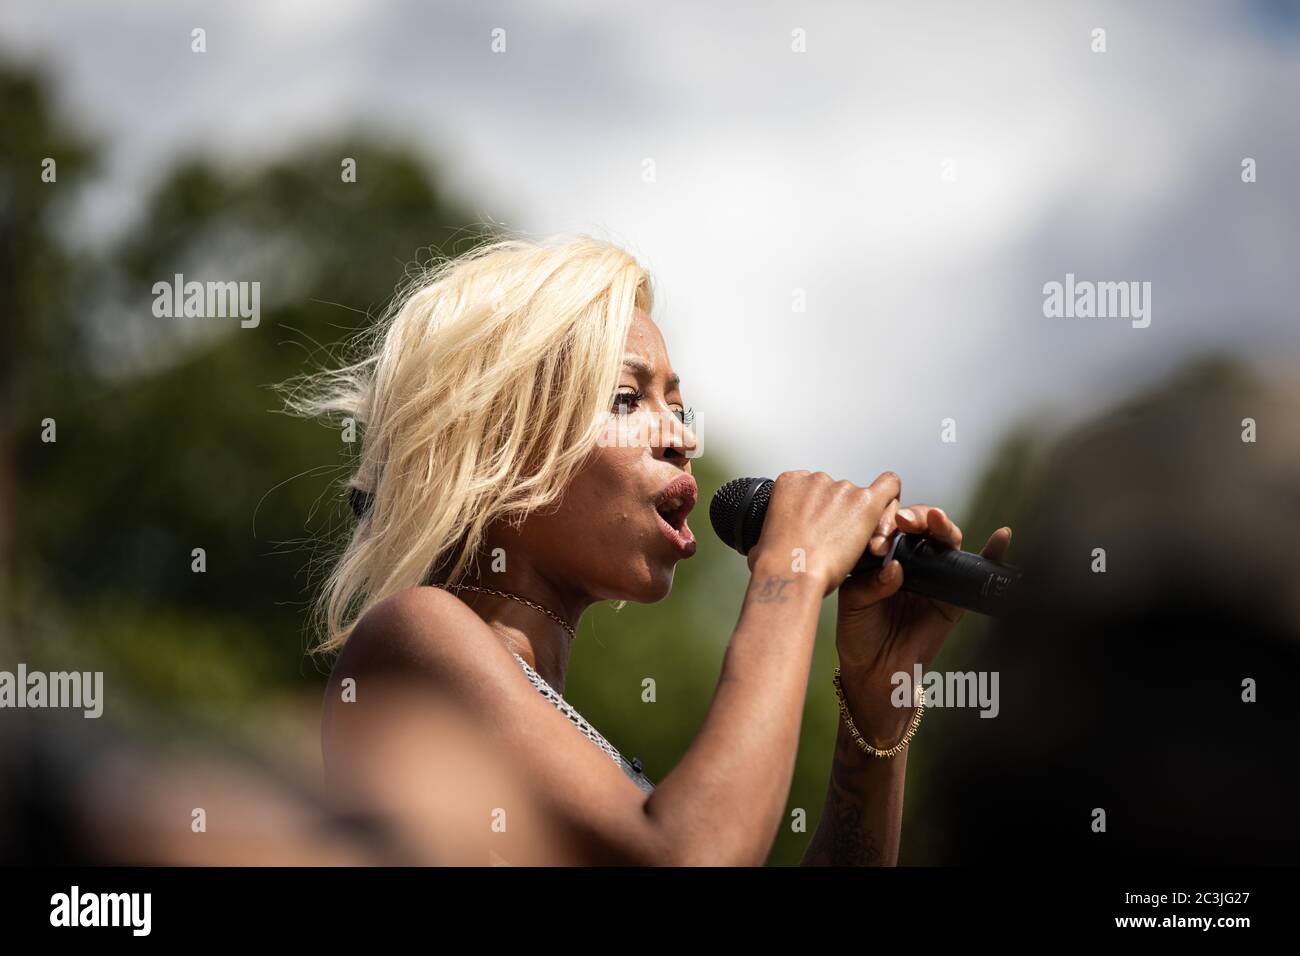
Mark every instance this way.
x=672 y=505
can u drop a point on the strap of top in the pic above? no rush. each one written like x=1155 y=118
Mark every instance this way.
x=590 y=732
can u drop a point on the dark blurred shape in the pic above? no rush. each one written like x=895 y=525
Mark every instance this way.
x=88 y=796
x=429 y=789
x=1123 y=690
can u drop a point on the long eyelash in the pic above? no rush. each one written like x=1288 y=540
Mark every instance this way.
x=688 y=417
x=623 y=399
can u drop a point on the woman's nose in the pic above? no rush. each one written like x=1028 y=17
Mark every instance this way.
x=678 y=440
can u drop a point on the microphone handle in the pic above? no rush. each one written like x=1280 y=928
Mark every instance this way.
x=958 y=577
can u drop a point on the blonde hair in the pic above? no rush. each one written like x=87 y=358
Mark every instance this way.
x=479 y=396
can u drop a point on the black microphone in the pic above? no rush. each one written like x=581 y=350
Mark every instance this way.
x=930 y=568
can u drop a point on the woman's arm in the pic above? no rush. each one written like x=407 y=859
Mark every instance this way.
x=723 y=802
x=881 y=632
x=862 y=818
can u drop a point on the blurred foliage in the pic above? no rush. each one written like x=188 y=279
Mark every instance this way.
x=35 y=266
x=169 y=440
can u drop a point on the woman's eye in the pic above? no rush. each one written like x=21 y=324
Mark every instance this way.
x=624 y=402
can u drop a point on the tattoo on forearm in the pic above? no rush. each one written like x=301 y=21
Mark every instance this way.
x=842 y=839
x=862 y=813
x=770 y=591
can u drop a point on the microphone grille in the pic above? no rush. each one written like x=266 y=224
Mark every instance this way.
x=737 y=511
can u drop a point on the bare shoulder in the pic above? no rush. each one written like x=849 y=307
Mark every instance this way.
x=419 y=633
x=420 y=645
x=409 y=676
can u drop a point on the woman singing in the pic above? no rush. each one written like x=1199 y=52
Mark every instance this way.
x=525 y=454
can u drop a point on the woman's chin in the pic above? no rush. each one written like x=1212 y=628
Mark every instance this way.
x=662 y=590
x=650 y=589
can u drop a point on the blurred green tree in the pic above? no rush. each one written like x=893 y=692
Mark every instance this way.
x=42 y=160
x=168 y=432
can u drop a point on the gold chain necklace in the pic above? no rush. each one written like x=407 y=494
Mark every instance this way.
x=514 y=597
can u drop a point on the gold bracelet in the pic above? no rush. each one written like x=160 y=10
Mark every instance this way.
x=858 y=738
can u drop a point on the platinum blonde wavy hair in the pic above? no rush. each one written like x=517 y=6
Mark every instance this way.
x=478 y=397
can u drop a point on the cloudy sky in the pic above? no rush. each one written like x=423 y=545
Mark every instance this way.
x=915 y=175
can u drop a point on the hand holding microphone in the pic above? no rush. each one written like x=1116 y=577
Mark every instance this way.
x=862 y=543
x=808 y=521
x=930 y=567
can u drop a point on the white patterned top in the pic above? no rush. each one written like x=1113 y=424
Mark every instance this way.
x=633 y=769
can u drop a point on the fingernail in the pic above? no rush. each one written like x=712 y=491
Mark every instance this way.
x=907 y=513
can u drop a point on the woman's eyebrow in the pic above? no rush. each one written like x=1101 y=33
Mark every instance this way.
x=644 y=367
